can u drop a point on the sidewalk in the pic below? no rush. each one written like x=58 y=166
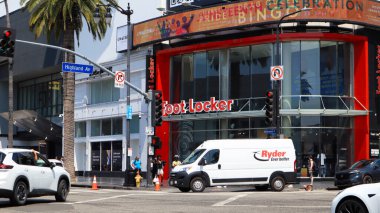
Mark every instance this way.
x=117 y=183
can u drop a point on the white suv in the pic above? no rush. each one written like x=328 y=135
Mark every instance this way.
x=26 y=173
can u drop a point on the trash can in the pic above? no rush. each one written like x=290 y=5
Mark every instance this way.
x=130 y=178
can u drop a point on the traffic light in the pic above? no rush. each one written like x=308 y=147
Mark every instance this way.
x=269 y=98
x=157 y=108
x=156 y=142
x=7 y=42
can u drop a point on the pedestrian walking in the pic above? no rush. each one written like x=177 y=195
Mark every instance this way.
x=154 y=168
x=310 y=167
x=176 y=161
x=160 y=169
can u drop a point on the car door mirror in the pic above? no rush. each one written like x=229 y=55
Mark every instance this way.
x=52 y=165
x=202 y=162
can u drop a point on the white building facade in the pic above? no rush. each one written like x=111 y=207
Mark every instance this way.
x=100 y=118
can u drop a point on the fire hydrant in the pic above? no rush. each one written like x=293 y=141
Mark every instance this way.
x=138 y=179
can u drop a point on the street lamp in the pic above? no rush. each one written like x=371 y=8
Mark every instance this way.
x=165 y=11
x=277 y=63
x=128 y=12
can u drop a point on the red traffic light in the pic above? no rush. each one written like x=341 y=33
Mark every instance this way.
x=269 y=94
x=7 y=33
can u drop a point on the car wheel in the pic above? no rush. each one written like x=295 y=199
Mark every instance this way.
x=277 y=184
x=184 y=189
x=62 y=191
x=197 y=184
x=20 y=193
x=367 y=179
x=351 y=205
x=261 y=187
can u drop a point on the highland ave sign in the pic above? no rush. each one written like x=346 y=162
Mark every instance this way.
x=197 y=107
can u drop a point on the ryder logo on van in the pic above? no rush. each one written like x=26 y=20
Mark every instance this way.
x=266 y=155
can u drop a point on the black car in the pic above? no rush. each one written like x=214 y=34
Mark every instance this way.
x=363 y=171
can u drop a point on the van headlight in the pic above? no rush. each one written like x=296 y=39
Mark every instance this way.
x=185 y=169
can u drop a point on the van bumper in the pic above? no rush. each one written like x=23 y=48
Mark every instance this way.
x=291 y=177
x=179 y=179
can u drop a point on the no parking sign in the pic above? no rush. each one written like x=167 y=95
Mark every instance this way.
x=276 y=73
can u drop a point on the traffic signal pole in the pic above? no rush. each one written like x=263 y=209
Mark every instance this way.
x=147 y=96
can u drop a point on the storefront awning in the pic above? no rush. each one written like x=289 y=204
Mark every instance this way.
x=302 y=105
x=35 y=124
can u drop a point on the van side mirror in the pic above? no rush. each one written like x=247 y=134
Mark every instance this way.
x=202 y=162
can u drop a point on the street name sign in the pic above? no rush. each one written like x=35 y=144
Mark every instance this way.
x=70 y=67
x=270 y=131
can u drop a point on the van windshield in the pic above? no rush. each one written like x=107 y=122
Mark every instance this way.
x=193 y=156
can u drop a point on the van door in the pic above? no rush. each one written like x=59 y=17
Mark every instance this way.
x=212 y=166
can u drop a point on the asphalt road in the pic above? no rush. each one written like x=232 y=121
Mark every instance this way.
x=171 y=200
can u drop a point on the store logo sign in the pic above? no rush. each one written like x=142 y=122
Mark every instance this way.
x=150 y=75
x=378 y=70
x=197 y=107
x=267 y=155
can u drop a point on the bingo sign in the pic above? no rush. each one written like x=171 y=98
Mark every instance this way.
x=276 y=73
x=119 y=79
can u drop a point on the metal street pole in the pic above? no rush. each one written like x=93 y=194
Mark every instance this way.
x=128 y=12
x=277 y=63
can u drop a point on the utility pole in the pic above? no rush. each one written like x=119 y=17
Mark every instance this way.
x=10 y=86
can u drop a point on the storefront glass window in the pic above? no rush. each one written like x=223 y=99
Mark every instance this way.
x=106 y=127
x=212 y=87
x=261 y=63
x=200 y=76
x=239 y=78
x=117 y=126
x=116 y=156
x=187 y=78
x=95 y=156
x=106 y=156
x=95 y=128
x=104 y=91
x=176 y=70
x=80 y=129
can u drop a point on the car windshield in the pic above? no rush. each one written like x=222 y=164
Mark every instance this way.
x=193 y=156
x=360 y=164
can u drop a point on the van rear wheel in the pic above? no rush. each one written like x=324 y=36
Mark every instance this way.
x=277 y=184
x=197 y=184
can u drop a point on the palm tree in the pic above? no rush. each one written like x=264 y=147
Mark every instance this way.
x=64 y=18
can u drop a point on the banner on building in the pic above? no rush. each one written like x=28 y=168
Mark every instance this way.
x=150 y=73
x=256 y=12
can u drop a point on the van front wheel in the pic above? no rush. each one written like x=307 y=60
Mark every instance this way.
x=197 y=184
x=277 y=184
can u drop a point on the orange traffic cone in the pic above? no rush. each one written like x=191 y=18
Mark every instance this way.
x=94 y=184
x=156 y=184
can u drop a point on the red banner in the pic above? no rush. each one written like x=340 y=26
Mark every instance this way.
x=255 y=12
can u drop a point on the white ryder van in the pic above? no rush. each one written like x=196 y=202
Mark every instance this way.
x=263 y=163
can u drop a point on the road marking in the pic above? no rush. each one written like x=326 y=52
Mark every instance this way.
x=298 y=207
x=229 y=200
x=94 y=200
